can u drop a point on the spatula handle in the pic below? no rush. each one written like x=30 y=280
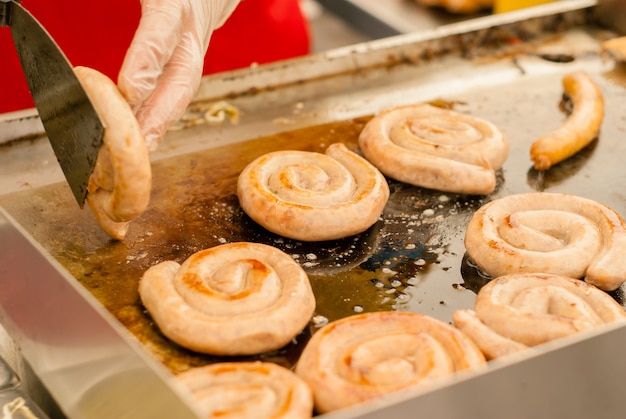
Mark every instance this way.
x=5 y=12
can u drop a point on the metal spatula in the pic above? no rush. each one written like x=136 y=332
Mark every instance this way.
x=72 y=125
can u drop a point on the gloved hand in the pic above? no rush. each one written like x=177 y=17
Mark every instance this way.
x=163 y=65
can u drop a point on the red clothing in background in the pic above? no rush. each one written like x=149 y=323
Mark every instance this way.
x=97 y=34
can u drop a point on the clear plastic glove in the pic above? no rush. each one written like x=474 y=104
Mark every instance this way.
x=163 y=65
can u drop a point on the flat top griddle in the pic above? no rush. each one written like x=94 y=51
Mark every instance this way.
x=413 y=259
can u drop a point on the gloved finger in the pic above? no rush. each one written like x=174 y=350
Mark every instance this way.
x=173 y=92
x=155 y=40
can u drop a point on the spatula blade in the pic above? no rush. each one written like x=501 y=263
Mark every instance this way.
x=72 y=124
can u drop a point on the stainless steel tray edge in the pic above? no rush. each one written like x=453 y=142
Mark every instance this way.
x=525 y=386
x=90 y=365
x=383 y=52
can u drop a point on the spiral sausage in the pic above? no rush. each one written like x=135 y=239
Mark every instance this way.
x=518 y=311
x=311 y=196
x=435 y=148
x=254 y=390
x=233 y=299
x=549 y=233
x=119 y=187
x=365 y=356
x=579 y=129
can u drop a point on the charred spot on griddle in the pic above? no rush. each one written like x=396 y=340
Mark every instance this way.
x=618 y=295
x=317 y=258
x=500 y=179
x=473 y=278
x=557 y=57
x=391 y=255
x=408 y=201
x=566 y=105
x=542 y=180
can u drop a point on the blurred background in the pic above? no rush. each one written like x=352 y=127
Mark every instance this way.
x=337 y=23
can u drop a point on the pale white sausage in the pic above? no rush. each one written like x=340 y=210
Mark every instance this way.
x=519 y=311
x=232 y=299
x=435 y=148
x=312 y=196
x=248 y=390
x=365 y=356
x=119 y=188
x=549 y=233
